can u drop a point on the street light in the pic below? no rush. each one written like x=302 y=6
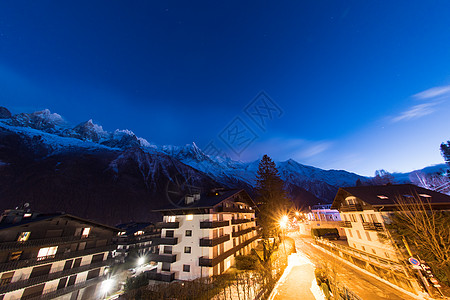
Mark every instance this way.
x=141 y=261
x=107 y=286
x=283 y=223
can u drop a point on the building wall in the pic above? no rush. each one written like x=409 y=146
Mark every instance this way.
x=192 y=259
x=368 y=240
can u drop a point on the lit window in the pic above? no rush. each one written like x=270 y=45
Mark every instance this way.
x=121 y=233
x=189 y=217
x=86 y=232
x=47 y=252
x=425 y=195
x=23 y=237
x=139 y=232
x=27 y=215
x=383 y=197
x=171 y=219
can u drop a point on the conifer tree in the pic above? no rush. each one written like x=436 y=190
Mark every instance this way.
x=271 y=196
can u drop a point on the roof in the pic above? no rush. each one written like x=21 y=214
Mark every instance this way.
x=42 y=217
x=387 y=195
x=207 y=200
x=132 y=227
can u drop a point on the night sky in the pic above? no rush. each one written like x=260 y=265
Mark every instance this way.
x=360 y=85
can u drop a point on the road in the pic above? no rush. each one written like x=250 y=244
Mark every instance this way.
x=363 y=285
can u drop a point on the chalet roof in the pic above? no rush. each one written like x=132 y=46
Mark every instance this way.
x=43 y=217
x=132 y=227
x=208 y=200
x=386 y=195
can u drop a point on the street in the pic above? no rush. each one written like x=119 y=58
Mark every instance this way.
x=298 y=282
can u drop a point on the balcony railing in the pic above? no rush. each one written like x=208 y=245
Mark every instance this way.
x=346 y=224
x=166 y=276
x=241 y=232
x=214 y=224
x=170 y=258
x=53 y=293
x=240 y=221
x=44 y=241
x=23 y=263
x=373 y=226
x=51 y=276
x=206 y=242
x=165 y=241
x=234 y=209
x=210 y=262
x=170 y=225
x=351 y=207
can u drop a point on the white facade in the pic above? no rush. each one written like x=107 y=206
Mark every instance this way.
x=195 y=239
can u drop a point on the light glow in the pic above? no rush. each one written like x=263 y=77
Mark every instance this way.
x=141 y=261
x=284 y=220
x=189 y=217
x=107 y=285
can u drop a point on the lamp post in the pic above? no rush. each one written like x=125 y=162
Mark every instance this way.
x=283 y=223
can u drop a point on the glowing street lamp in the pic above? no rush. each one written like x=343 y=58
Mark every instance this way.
x=283 y=222
x=141 y=261
x=107 y=286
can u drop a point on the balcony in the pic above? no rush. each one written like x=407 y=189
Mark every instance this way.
x=51 y=276
x=241 y=221
x=241 y=232
x=169 y=258
x=211 y=262
x=214 y=224
x=54 y=292
x=170 y=225
x=351 y=207
x=346 y=224
x=165 y=241
x=163 y=276
x=373 y=226
x=233 y=209
x=206 y=242
x=44 y=241
x=23 y=263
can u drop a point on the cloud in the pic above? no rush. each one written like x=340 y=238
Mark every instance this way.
x=315 y=149
x=438 y=91
x=416 y=111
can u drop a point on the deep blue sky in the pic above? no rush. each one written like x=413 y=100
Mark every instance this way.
x=345 y=73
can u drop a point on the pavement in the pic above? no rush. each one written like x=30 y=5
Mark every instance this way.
x=297 y=281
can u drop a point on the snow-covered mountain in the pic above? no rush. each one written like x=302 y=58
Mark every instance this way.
x=49 y=157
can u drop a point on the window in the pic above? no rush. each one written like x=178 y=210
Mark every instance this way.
x=359 y=235
x=383 y=197
x=86 y=232
x=374 y=218
x=362 y=218
x=189 y=217
x=188 y=232
x=23 y=237
x=186 y=268
x=352 y=217
x=15 y=255
x=187 y=249
x=167 y=249
x=171 y=219
x=345 y=217
x=169 y=233
x=166 y=266
x=368 y=236
x=386 y=254
x=373 y=251
x=364 y=248
x=350 y=233
x=139 y=232
x=47 y=252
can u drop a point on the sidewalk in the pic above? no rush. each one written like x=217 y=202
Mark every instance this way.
x=298 y=281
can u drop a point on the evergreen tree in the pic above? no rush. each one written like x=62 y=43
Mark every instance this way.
x=445 y=151
x=271 y=196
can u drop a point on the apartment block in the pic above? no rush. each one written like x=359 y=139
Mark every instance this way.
x=52 y=256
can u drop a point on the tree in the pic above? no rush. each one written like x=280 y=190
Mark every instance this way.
x=382 y=177
x=445 y=151
x=426 y=231
x=271 y=196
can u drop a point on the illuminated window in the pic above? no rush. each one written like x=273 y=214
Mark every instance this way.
x=139 y=232
x=86 y=232
x=47 y=252
x=425 y=195
x=383 y=197
x=15 y=255
x=23 y=237
x=171 y=219
x=121 y=233
x=189 y=217
x=27 y=215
